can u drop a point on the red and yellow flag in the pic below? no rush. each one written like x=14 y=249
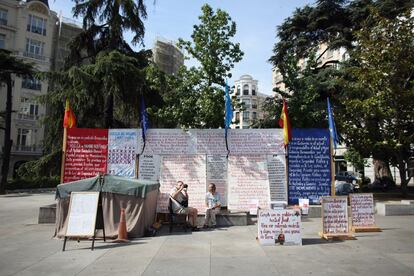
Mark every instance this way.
x=69 y=120
x=285 y=124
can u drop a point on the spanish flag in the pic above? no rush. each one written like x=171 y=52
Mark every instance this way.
x=69 y=120
x=285 y=124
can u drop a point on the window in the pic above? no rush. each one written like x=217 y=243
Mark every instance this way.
x=245 y=89
x=28 y=109
x=246 y=115
x=238 y=90
x=254 y=104
x=25 y=137
x=34 y=49
x=254 y=116
x=2 y=41
x=246 y=103
x=237 y=116
x=31 y=83
x=36 y=25
x=3 y=17
x=254 y=90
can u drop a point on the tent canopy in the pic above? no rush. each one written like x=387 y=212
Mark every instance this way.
x=108 y=183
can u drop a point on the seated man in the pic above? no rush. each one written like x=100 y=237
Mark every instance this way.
x=179 y=198
x=213 y=205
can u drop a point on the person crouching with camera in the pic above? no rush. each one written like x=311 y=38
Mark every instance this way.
x=179 y=198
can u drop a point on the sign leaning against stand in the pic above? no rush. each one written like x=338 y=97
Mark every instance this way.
x=83 y=208
x=363 y=213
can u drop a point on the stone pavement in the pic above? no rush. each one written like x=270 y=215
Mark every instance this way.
x=27 y=248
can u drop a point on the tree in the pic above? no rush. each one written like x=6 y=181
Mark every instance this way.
x=196 y=97
x=104 y=23
x=9 y=65
x=380 y=90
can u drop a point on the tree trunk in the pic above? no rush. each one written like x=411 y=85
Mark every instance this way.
x=109 y=111
x=7 y=133
x=403 y=177
x=383 y=174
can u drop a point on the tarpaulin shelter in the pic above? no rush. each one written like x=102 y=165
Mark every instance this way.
x=138 y=197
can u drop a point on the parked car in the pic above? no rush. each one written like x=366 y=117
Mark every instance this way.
x=343 y=188
x=347 y=176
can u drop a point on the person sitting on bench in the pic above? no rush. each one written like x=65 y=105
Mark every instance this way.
x=213 y=204
x=179 y=198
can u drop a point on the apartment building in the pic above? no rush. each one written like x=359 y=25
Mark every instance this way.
x=36 y=34
x=167 y=56
x=246 y=92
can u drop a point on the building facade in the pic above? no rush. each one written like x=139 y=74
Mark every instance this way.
x=32 y=32
x=167 y=56
x=246 y=92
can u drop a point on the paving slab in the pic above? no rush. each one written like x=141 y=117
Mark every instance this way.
x=27 y=248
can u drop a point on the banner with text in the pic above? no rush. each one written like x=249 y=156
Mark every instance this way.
x=191 y=169
x=309 y=165
x=247 y=180
x=86 y=153
x=122 y=150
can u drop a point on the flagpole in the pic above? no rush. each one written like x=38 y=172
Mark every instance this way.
x=62 y=167
x=332 y=155
x=287 y=171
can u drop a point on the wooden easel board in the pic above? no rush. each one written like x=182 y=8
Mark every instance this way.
x=363 y=213
x=335 y=222
x=83 y=208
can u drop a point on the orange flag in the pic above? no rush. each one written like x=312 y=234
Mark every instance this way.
x=69 y=120
x=285 y=124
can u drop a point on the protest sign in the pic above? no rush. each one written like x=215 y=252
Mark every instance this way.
x=362 y=213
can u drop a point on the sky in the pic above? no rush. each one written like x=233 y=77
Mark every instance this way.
x=256 y=28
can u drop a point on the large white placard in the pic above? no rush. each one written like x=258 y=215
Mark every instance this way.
x=82 y=213
x=276 y=167
x=247 y=180
x=362 y=207
x=122 y=150
x=256 y=141
x=217 y=174
x=169 y=141
x=191 y=169
x=335 y=215
x=272 y=223
x=149 y=167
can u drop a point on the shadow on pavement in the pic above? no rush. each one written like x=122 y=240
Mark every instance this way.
x=313 y=241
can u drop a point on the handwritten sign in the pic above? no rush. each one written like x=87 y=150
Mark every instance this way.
x=210 y=141
x=149 y=167
x=217 y=174
x=256 y=141
x=304 y=205
x=86 y=153
x=362 y=210
x=309 y=165
x=272 y=223
x=82 y=213
x=122 y=150
x=247 y=180
x=191 y=169
x=168 y=141
x=335 y=215
x=276 y=167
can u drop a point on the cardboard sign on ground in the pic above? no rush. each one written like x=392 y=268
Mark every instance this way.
x=363 y=213
x=273 y=224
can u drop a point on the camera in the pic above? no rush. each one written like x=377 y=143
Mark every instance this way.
x=185 y=186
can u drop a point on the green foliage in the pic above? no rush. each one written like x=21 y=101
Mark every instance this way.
x=195 y=97
x=354 y=157
x=33 y=183
x=211 y=45
x=380 y=90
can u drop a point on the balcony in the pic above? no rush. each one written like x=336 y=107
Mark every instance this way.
x=33 y=149
x=27 y=117
x=35 y=56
